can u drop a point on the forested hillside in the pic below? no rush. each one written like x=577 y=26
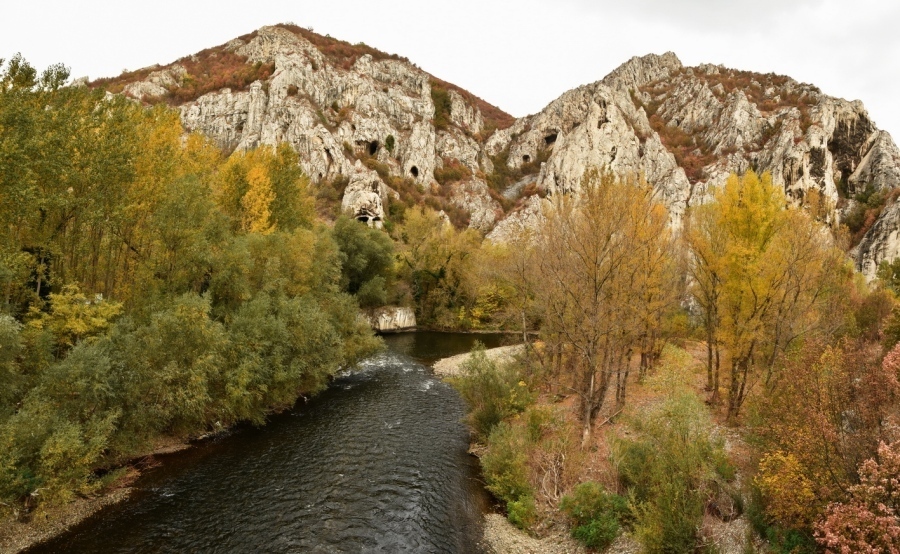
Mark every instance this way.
x=701 y=389
x=151 y=287
x=707 y=351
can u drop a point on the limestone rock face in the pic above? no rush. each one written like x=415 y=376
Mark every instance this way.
x=597 y=126
x=473 y=196
x=330 y=113
x=463 y=114
x=157 y=83
x=390 y=319
x=520 y=225
x=639 y=71
x=365 y=197
x=684 y=129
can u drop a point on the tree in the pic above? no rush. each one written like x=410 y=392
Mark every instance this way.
x=761 y=274
x=367 y=261
x=265 y=190
x=870 y=520
x=592 y=295
x=435 y=260
x=150 y=287
x=821 y=423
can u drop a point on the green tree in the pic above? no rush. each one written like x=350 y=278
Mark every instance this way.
x=367 y=261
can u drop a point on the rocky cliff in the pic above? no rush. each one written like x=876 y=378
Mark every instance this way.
x=687 y=128
x=385 y=131
x=356 y=116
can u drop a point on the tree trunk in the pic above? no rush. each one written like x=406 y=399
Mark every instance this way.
x=587 y=411
x=709 y=359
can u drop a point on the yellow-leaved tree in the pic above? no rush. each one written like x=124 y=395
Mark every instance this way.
x=256 y=202
x=761 y=272
x=265 y=190
x=602 y=266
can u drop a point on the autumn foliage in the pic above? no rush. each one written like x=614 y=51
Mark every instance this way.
x=869 y=521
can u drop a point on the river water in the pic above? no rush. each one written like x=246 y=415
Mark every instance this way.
x=376 y=463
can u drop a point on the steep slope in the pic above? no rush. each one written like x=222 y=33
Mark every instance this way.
x=687 y=128
x=360 y=119
x=379 y=133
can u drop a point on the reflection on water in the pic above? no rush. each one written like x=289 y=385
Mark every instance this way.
x=377 y=463
x=429 y=346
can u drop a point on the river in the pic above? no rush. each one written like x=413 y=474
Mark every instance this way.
x=376 y=463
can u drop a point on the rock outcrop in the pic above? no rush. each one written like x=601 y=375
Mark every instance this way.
x=365 y=197
x=474 y=197
x=390 y=319
x=378 y=109
x=685 y=129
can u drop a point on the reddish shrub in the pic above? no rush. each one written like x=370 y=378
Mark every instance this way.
x=869 y=521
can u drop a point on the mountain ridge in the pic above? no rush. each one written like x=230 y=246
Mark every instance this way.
x=371 y=123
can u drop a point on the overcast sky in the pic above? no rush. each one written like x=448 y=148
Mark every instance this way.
x=518 y=55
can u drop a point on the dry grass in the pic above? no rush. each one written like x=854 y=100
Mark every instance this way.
x=208 y=70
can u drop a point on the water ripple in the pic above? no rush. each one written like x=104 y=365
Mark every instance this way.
x=371 y=465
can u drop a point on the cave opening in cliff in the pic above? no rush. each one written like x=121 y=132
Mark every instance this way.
x=373 y=147
x=526 y=158
x=550 y=139
x=414 y=171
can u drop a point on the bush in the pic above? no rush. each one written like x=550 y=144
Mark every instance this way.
x=506 y=472
x=451 y=172
x=781 y=540
x=669 y=470
x=367 y=261
x=597 y=514
x=440 y=96
x=869 y=521
x=522 y=512
x=492 y=392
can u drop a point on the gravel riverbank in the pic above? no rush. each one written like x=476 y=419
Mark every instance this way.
x=452 y=366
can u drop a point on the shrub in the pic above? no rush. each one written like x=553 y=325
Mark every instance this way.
x=492 y=392
x=870 y=520
x=669 y=470
x=506 y=472
x=781 y=540
x=451 y=172
x=522 y=512
x=367 y=257
x=441 y=98
x=596 y=512
x=788 y=494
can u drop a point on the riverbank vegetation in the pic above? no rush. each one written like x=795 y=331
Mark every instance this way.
x=687 y=380
x=730 y=387
x=150 y=287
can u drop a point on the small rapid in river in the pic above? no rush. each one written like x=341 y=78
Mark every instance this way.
x=377 y=463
